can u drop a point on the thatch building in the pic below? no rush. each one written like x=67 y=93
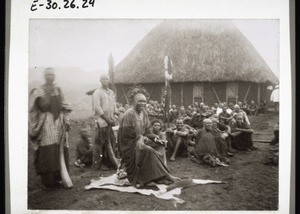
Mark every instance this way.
x=212 y=61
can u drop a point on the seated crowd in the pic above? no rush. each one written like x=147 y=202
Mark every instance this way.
x=206 y=134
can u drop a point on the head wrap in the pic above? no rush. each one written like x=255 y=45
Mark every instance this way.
x=206 y=121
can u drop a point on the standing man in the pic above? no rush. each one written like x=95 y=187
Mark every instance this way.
x=48 y=125
x=105 y=141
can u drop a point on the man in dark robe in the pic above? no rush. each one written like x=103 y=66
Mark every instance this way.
x=205 y=149
x=142 y=163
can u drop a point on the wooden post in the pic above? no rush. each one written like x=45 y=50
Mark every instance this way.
x=168 y=76
x=181 y=93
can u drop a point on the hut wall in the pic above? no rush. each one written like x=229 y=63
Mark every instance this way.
x=242 y=90
x=253 y=92
x=154 y=91
x=265 y=94
x=209 y=96
x=176 y=94
x=187 y=94
x=120 y=94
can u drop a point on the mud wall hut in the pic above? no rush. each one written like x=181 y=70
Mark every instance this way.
x=212 y=62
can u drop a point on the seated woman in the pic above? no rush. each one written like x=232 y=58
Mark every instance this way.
x=159 y=142
x=241 y=135
x=142 y=163
x=205 y=149
x=222 y=139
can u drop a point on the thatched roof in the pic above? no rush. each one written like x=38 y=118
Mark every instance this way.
x=201 y=50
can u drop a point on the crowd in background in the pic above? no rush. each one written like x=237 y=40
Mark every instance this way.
x=195 y=113
x=229 y=124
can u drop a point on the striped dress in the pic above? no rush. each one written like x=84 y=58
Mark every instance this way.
x=48 y=117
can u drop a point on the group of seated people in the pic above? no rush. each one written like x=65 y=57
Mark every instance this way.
x=205 y=134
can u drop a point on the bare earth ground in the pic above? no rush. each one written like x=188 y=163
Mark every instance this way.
x=250 y=185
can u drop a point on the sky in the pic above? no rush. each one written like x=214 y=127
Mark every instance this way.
x=86 y=44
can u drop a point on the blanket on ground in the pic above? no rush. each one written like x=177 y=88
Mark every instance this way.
x=164 y=191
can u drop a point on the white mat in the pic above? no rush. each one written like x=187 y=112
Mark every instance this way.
x=113 y=183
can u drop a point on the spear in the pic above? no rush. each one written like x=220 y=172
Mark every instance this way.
x=168 y=76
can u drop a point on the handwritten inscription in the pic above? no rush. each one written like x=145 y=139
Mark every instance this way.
x=62 y=4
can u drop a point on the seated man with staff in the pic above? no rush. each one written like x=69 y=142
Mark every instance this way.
x=142 y=163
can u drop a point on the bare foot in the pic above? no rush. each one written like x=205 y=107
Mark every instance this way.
x=151 y=184
x=173 y=178
x=164 y=181
x=172 y=159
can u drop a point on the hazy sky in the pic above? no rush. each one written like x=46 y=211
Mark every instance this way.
x=86 y=44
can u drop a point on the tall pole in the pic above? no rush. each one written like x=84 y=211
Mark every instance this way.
x=168 y=76
x=111 y=72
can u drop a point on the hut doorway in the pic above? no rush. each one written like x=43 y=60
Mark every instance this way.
x=198 y=92
x=232 y=93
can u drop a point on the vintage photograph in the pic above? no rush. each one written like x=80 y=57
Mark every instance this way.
x=153 y=114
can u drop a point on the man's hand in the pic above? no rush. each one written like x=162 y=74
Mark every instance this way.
x=169 y=131
x=111 y=122
x=68 y=127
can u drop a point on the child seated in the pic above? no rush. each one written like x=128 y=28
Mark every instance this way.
x=84 y=150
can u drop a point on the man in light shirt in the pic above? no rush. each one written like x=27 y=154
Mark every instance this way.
x=105 y=111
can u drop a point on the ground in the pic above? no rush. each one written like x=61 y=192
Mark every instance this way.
x=250 y=185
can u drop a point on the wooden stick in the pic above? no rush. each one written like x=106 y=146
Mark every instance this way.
x=125 y=94
x=181 y=94
x=247 y=92
x=216 y=94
